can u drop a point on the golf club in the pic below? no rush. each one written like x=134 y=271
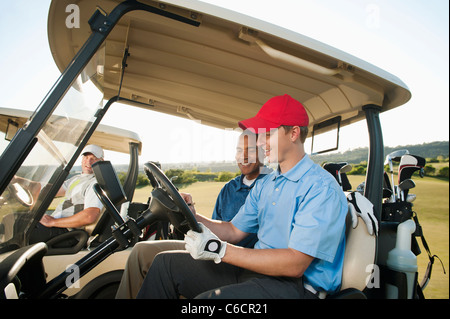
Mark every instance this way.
x=411 y=198
x=407 y=184
x=394 y=156
x=343 y=170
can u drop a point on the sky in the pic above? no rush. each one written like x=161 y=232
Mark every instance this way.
x=409 y=39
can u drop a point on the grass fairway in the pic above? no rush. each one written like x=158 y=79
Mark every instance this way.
x=432 y=208
x=431 y=205
x=203 y=193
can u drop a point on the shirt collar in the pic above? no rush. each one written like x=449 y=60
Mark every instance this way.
x=241 y=181
x=296 y=172
x=86 y=176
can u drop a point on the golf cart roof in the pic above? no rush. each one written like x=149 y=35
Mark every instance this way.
x=108 y=137
x=222 y=70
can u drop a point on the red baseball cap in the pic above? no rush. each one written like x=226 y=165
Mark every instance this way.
x=277 y=111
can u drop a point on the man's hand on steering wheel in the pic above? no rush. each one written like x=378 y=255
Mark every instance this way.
x=166 y=193
x=189 y=201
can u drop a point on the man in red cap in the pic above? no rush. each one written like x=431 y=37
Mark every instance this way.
x=279 y=114
x=298 y=213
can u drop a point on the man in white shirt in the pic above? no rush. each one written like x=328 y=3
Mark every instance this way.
x=80 y=206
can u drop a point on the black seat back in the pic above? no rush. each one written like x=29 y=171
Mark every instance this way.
x=107 y=179
x=109 y=182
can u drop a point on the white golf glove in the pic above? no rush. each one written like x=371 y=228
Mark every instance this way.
x=361 y=206
x=205 y=245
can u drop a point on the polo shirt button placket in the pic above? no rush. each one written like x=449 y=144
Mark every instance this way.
x=277 y=189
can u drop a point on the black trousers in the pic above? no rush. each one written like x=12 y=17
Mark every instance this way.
x=176 y=273
x=42 y=233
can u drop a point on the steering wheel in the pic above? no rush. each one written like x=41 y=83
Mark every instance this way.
x=169 y=192
x=21 y=194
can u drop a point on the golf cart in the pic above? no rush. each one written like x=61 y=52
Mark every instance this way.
x=197 y=61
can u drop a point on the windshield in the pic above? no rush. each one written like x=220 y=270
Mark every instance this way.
x=58 y=140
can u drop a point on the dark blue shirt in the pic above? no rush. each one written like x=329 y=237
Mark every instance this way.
x=231 y=197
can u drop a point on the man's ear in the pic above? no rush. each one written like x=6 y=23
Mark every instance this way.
x=295 y=133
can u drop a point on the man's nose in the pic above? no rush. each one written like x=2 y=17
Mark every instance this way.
x=261 y=141
x=239 y=157
x=90 y=160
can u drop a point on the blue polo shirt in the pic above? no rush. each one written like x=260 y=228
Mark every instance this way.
x=231 y=197
x=303 y=209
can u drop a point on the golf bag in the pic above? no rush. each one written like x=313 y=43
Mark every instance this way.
x=400 y=211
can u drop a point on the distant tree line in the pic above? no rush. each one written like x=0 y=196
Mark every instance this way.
x=182 y=178
x=430 y=151
x=429 y=169
x=434 y=153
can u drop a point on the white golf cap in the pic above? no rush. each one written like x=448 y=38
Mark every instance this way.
x=96 y=150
